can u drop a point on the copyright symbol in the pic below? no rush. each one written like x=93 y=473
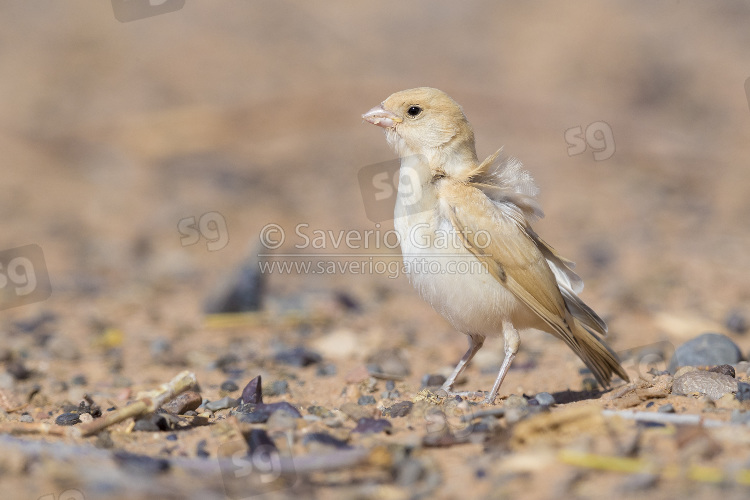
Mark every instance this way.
x=272 y=236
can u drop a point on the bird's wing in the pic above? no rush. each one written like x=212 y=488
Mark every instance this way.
x=500 y=241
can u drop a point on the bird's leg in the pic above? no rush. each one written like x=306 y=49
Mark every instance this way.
x=512 y=343
x=475 y=343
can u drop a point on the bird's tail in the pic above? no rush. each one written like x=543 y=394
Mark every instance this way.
x=595 y=353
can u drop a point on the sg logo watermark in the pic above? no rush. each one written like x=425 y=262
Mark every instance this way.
x=65 y=495
x=380 y=184
x=264 y=469
x=132 y=10
x=598 y=136
x=23 y=277
x=212 y=226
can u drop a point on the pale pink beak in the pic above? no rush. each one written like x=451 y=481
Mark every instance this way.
x=381 y=117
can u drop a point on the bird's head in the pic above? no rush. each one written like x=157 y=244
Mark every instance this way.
x=424 y=121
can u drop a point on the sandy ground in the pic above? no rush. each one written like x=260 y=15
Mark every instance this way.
x=145 y=158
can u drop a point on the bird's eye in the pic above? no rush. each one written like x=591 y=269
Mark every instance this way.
x=414 y=111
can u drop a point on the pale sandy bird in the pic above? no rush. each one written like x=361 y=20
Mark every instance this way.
x=467 y=242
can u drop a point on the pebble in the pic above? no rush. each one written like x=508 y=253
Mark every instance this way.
x=222 y=404
x=400 y=409
x=339 y=344
x=154 y=422
x=544 y=399
x=725 y=369
x=366 y=400
x=258 y=440
x=141 y=464
x=347 y=301
x=714 y=385
x=229 y=386
x=356 y=412
x=297 y=356
x=667 y=408
x=320 y=411
x=172 y=437
x=390 y=385
x=743 y=391
x=79 y=380
x=68 y=419
x=242 y=291
x=277 y=388
x=185 y=402
x=326 y=370
x=200 y=449
x=432 y=380
x=372 y=425
x=736 y=322
x=709 y=349
x=253 y=391
x=18 y=370
x=26 y=418
x=325 y=439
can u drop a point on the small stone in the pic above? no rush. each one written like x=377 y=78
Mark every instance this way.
x=356 y=412
x=545 y=399
x=242 y=290
x=79 y=380
x=27 y=418
x=326 y=370
x=338 y=344
x=366 y=400
x=298 y=356
x=277 y=388
x=259 y=440
x=68 y=419
x=320 y=411
x=743 y=391
x=141 y=464
x=390 y=385
x=709 y=349
x=222 y=404
x=253 y=391
x=229 y=386
x=713 y=385
x=725 y=369
x=514 y=401
x=154 y=422
x=172 y=437
x=18 y=370
x=400 y=409
x=736 y=322
x=326 y=440
x=667 y=408
x=185 y=402
x=200 y=449
x=372 y=425
x=432 y=380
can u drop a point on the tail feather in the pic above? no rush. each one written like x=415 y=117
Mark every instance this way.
x=598 y=356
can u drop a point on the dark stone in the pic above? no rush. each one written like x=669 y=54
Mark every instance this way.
x=366 y=400
x=400 y=409
x=242 y=291
x=348 y=302
x=298 y=356
x=68 y=419
x=253 y=392
x=372 y=425
x=743 y=391
x=141 y=464
x=278 y=387
x=326 y=370
x=326 y=439
x=431 y=380
x=736 y=322
x=200 y=449
x=709 y=349
x=725 y=369
x=258 y=440
x=229 y=386
x=79 y=380
x=172 y=437
x=18 y=370
x=155 y=422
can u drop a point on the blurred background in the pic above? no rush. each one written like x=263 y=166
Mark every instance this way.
x=633 y=117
